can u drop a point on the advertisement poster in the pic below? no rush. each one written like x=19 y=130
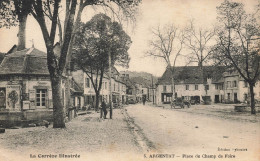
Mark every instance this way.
x=130 y=80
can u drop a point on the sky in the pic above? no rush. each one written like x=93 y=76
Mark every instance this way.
x=151 y=14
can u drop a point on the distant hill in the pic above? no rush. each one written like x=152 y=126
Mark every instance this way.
x=143 y=78
x=2 y=55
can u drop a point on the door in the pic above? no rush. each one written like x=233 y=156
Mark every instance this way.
x=216 y=98
x=2 y=97
x=235 y=97
x=41 y=95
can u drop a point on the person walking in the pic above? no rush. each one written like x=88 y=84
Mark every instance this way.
x=144 y=100
x=104 y=108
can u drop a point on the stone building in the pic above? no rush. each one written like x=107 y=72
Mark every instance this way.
x=25 y=87
x=214 y=84
x=118 y=87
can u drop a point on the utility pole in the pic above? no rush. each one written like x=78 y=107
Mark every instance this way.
x=110 y=84
x=152 y=88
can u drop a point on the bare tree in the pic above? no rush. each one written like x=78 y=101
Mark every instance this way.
x=238 y=43
x=198 y=41
x=167 y=45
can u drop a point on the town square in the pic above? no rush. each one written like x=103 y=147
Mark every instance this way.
x=130 y=80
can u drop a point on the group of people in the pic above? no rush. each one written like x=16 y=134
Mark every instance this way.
x=104 y=106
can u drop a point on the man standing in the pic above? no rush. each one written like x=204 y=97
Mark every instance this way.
x=104 y=108
x=144 y=99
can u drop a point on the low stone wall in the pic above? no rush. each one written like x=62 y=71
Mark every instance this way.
x=40 y=115
x=245 y=108
x=10 y=118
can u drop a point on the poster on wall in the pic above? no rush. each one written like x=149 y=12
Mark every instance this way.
x=13 y=95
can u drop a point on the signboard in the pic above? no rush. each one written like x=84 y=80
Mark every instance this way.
x=26 y=105
x=31 y=95
x=42 y=83
x=32 y=105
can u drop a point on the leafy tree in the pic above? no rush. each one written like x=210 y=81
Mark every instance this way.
x=238 y=43
x=40 y=9
x=93 y=43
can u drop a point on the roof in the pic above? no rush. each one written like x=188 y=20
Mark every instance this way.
x=2 y=55
x=76 y=89
x=192 y=75
x=13 y=49
x=27 y=61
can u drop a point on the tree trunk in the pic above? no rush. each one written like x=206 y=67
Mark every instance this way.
x=21 y=33
x=58 y=108
x=173 y=86
x=97 y=100
x=67 y=94
x=252 y=97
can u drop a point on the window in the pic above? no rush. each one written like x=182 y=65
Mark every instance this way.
x=228 y=95
x=196 y=87
x=164 y=88
x=245 y=84
x=216 y=86
x=41 y=97
x=221 y=86
x=207 y=87
x=87 y=83
x=234 y=83
x=187 y=87
x=2 y=98
x=228 y=84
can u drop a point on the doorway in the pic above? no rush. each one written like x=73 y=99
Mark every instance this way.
x=216 y=98
x=2 y=97
x=235 y=98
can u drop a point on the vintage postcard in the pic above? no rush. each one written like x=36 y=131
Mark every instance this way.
x=129 y=80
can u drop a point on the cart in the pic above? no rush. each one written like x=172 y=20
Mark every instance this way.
x=180 y=102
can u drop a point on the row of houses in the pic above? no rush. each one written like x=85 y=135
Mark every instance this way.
x=124 y=90
x=210 y=85
x=26 y=93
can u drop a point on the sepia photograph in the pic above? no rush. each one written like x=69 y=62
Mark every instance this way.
x=130 y=80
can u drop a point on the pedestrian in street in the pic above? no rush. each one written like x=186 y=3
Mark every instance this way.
x=104 y=108
x=144 y=100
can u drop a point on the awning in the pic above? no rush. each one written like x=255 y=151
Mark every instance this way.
x=73 y=92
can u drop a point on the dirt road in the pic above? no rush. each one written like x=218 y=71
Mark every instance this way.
x=138 y=133
x=86 y=138
x=196 y=136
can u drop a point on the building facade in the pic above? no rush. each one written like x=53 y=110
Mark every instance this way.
x=118 y=88
x=210 y=85
x=25 y=87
